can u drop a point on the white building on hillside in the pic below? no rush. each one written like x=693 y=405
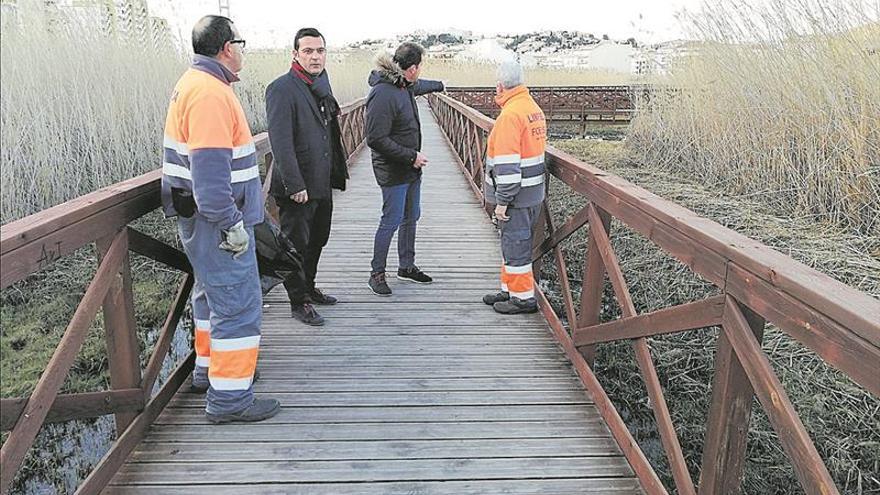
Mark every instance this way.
x=606 y=55
x=611 y=56
x=660 y=58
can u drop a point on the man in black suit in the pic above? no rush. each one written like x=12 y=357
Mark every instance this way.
x=309 y=162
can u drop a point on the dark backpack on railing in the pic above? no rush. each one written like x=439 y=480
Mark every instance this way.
x=277 y=258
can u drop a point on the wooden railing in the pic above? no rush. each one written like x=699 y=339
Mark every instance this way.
x=35 y=242
x=757 y=284
x=584 y=104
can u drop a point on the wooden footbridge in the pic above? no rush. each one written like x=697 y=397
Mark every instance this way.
x=430 y=391
x=573 y=104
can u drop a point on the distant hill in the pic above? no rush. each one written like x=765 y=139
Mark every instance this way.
x=544 y=48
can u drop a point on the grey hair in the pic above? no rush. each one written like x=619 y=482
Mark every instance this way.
x=510 y=73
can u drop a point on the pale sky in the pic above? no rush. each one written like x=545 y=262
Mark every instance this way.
x=272 y=23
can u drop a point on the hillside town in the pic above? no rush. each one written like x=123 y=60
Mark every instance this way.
x=551 y=49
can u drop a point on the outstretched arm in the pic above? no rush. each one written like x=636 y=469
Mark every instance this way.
x=425 y=86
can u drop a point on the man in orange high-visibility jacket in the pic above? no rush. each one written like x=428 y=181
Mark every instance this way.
x=211 y=182
x=514 y=182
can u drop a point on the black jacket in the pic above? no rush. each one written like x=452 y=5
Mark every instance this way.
x=306 y=146
x=393 y=129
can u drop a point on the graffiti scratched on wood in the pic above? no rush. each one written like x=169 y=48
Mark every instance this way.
x=48 y=254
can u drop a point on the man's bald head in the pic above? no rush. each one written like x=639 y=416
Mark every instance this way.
x=210 y=34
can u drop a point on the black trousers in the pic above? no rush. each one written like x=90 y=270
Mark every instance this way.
x=307 y=225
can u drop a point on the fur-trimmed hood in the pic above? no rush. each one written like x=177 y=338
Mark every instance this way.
x=388 y=71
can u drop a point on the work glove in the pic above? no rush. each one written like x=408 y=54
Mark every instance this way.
x=236 y=240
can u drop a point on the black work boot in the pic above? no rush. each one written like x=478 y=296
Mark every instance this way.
x=516 y=305
x=306 y=313
x=491 y=299
x=322 y=299
x=414 y=275
x=203 y=389
x=258 y=411
x=378 y=284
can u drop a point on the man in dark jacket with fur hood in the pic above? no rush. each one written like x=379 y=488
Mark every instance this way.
x=395 y=137
x=309 y=162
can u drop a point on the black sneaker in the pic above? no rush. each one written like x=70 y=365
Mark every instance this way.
x=322 y=299
x=378 y=284
x=306 y=313
x=261 y=409
x=203 y=389
x=516 y=305
x=414 y=275
x=491 y=299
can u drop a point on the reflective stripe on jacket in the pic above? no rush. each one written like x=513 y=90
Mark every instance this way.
x=208 y=148
x=515 y=154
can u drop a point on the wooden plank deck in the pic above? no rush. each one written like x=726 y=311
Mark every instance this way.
x=426 y=392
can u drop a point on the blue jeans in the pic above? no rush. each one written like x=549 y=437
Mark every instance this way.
x=400 y=209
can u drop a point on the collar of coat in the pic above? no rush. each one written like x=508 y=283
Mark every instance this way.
x=214 y=67
x=509 y=94
x=390 y=70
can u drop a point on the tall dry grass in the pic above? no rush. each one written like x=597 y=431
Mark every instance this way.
x=78 y=110
x=82 y=109
x=780 y=101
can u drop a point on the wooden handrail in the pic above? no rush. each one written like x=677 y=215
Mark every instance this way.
x=38 y=405
x=35 y=242
x=838 y=322
x=103 y=217
x=607 y=104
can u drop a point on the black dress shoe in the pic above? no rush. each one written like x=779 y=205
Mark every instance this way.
x=306 y=313
x=322 y=299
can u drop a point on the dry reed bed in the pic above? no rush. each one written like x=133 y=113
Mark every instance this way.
x=779 y=101
x=841 y=417
x=81 y=109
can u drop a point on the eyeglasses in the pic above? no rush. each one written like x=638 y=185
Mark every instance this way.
x=242 y=42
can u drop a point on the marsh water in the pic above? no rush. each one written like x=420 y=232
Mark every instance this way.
x=67 y=452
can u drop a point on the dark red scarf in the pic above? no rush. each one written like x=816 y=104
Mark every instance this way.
x=301 y=73
x=320 y=88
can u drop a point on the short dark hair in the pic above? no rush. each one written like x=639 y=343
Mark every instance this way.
x=210 y=34
x=408 y=54
x=302 y=33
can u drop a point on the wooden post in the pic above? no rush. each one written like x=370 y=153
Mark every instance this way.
x=805 y=459
x=668 y=437
x=584 y=120
x=120 y=328
x=727 y=426
x=591 y=288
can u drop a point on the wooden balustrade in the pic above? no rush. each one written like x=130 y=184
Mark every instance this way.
x=757 y=284
x=583 y=104
x=102 y=217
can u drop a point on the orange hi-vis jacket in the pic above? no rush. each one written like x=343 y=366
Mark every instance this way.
x=208 y=148
x=515 y=155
